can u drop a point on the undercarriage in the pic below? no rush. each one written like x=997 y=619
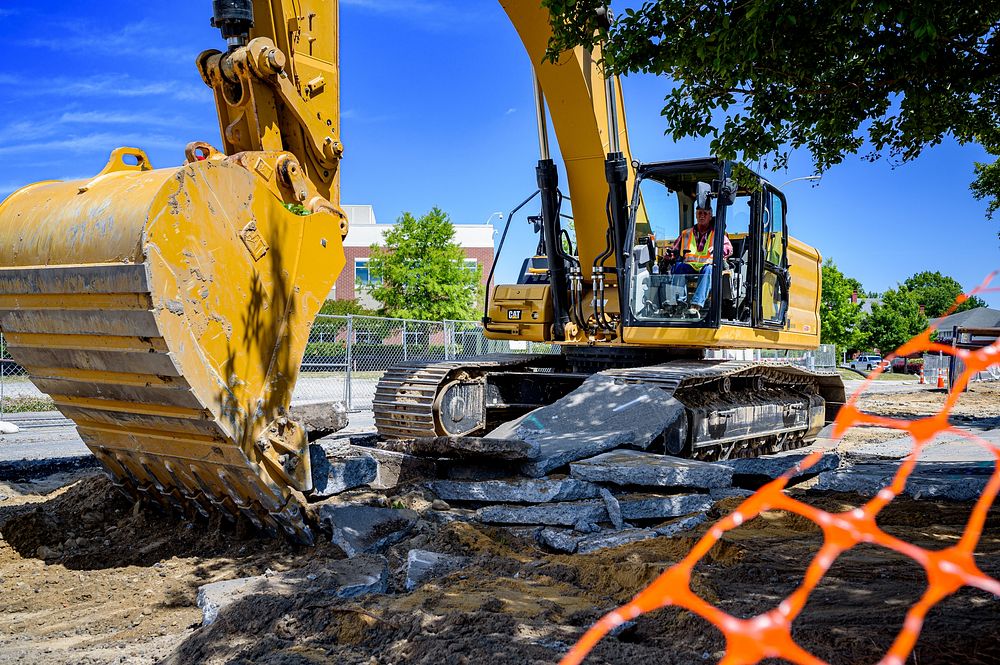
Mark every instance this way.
x=731 y=409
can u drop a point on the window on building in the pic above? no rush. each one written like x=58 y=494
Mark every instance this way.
x=361 y=274
x=421 y=338
x=471 y=265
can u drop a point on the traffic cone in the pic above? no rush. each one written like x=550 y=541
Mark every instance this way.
x=940 y=383
x=922 y=379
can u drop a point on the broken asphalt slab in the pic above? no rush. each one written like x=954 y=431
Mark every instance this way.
x=422 y=565
x=533 y=490
x=753 y=472
x=600 y=415
x=644 y=469
x=336 y=470
x=343 y=579
x=952 y=481
x=393 y=469
x=365 y=529
x=465 y=447
x=564 y=540
x=595 y=511
x=319 y=418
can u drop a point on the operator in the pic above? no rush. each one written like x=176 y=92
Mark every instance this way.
x=694 y=246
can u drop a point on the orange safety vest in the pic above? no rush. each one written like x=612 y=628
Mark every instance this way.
x=694 y=258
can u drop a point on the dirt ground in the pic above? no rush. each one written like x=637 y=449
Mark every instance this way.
x=978 y=408
x=89 y=577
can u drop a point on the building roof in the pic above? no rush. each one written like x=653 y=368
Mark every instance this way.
x=866 y=304
x=980 y=317
x=365 y=231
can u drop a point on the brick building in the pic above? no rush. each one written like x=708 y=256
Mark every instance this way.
x=475 y=239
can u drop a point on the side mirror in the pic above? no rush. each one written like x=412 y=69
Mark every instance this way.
x=703 y=194
x=725 y=191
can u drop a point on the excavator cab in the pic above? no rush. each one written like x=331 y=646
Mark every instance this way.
x=680 y=278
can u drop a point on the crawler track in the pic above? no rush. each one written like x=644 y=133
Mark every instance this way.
x=736 y=408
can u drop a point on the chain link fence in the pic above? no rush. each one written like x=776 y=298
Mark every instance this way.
x=825 y=357
x=15 y=387
x=347 y=355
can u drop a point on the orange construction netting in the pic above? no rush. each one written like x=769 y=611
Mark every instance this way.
x=768 y=635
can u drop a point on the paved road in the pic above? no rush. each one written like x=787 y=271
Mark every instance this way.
x=48 y=435
x=325 y=386
x=42 y=436
x=886 y=386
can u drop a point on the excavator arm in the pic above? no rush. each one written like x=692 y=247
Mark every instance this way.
x=166 y=311
x=574 y=90
x=278 y=89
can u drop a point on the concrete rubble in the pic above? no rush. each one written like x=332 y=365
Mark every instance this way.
x=574 y=476
x=569 y=513
x=565 y=540
x=422 y=565
x=338 y=468
x=754 y=472
x=951 y=481
x=396 y=468
x=366 y=529
x=319 y=418
x=465 y=447
x=541 y=490
x=635 y=467
x=342 y=579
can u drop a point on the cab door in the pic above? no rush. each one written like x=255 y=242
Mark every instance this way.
x=774 y=280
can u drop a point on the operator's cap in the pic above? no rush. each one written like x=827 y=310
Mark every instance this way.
x=705 y=204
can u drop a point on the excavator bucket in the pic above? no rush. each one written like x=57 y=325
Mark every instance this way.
x=166 y=312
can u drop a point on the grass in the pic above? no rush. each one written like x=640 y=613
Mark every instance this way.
x=27 y=403
x=886 y=376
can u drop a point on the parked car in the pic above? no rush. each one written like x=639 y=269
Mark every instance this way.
x=907 y=365
x=868 y=362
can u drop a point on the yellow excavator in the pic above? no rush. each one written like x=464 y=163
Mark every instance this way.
x=166 y=311
x=617 y=301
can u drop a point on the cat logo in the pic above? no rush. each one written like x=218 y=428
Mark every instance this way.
x=513 y=315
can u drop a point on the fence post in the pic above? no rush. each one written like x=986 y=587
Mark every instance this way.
x=449 y=338
x=404 y=341
x=349 y=360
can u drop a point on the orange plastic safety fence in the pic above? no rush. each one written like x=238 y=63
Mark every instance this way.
x=768 y=635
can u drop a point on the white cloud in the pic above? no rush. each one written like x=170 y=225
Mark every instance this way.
x=360 y=117
x=135 y=39
x=118 y=118
x=105 y=86
x=510 y=111
x=89 y=142
x=23 y=131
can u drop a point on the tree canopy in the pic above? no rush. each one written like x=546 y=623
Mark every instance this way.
x=893 y=322
x=839 y=316
x=421 y=272
x=937 y=292
x=762 y=77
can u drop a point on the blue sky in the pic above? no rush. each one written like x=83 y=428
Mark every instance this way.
x=437 y=110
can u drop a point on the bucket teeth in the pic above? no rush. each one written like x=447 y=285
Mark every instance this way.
x=104 y=360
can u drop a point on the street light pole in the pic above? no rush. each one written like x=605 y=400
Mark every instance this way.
x=492 y=215
x=805 y=177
